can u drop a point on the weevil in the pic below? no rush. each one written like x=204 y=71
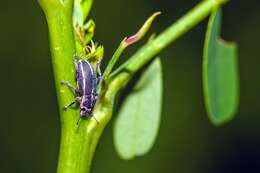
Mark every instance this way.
x=87 y=78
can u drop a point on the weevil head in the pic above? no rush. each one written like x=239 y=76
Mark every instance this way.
x=86 y=106
x=84 y=111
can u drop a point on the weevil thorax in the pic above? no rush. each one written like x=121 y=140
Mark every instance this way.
x=87 y=82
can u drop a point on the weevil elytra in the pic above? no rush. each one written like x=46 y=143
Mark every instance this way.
x=87 y=79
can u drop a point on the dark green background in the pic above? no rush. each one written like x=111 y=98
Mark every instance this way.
x=187 y=142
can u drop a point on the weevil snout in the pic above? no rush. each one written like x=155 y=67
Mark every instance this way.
x=84 y=111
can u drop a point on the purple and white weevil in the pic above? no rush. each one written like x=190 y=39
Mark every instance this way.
x=87 y=80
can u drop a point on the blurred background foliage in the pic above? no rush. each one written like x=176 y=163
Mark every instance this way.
x=187 y=142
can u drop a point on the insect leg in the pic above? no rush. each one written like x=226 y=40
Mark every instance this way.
x=75 y=90
x=70 y=104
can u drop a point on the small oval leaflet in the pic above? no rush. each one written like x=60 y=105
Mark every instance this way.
x=220 y=73
x=137 y=123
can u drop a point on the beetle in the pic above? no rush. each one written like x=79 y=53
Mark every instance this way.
x=87 y=79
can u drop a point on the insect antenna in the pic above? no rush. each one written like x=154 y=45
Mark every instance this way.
x=95 y=119
x=78 y=121
x=78 y=124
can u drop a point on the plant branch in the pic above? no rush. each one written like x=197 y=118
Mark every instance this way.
x=77 y=146
x=153 y=47
x=78 y=143
x=127 y=41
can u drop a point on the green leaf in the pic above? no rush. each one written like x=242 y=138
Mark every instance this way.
x=78 y=18
x=138 y=121
x=86 y=6
x=81 y=11
x=220 y=73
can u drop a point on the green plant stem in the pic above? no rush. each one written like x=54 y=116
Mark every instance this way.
x=127 y=41
x=114 y=59
x=153 y=47
x=78 y=143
